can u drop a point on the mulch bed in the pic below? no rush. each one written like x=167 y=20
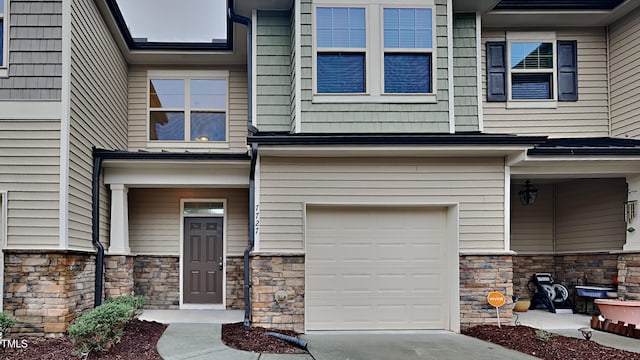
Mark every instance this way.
x=254 y=339
x=138 y=343
x=525 y=340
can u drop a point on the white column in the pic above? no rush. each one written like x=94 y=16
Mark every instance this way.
x=633 y=237
x=119 y=241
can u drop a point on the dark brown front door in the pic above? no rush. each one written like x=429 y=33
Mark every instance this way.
x=203 y=260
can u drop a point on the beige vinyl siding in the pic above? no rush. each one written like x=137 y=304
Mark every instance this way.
x=273 y=70
x=624 y=57
x=286 y=184
x=30 y=173
x=154 y=218
x=98 y=114
x=590 y=215
x=532 y=226
x=35 y=51
x=587 y=117
x=237 y=116
x=465 y=75
x=374 y=117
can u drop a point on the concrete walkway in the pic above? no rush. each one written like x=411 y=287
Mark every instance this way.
x=203 y=341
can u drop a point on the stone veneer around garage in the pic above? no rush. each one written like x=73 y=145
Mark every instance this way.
x=269 y=275
x=44 y=291
x=480 y=275
x=118 y=278
x=629 y=276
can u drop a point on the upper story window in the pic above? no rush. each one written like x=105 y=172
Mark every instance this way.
x=188 y=107
x=374 y=53
x=4 y=35
x=532 y=70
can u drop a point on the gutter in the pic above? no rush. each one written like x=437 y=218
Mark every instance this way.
x=254 y=157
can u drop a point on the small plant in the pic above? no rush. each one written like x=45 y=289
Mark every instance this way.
x=544 y=335
x=102 y=327
x=6 y=323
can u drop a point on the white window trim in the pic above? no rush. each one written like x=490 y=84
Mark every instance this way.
x=4 y=66
x=538 y=36
x=223 y=305
x=374 y=55
x=186 y=75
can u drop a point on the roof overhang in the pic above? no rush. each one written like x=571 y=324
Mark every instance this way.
x=587 y=17
x=393 y=145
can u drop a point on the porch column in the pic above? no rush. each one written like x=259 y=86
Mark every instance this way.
x=119 y=240
x=633 y=237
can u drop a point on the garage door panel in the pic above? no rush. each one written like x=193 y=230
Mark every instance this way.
x=375 y=268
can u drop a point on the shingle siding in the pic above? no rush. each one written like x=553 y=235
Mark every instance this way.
x=273 y=70
x=465 y=72
x=35 y=51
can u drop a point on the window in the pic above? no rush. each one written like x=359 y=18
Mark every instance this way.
x=341 y=50
x=190 y=108
x=525 y=71
x=407 y=50
x=374 y=53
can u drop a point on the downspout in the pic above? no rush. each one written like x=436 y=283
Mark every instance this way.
x=252 y=236
x=95 y=226
x=252 y=174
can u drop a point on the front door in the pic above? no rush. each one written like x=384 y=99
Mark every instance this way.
x=203 y=260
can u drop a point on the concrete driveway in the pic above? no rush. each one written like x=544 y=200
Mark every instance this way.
x=203 y=341
x=431 y=346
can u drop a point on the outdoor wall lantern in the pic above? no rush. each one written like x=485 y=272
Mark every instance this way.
x=528 y=193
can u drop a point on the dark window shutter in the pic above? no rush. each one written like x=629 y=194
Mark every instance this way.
x=496 y=71
x=567 y=70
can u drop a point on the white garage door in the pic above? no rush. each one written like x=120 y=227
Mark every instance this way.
x=376 y=268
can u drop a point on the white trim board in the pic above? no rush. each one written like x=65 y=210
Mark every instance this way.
x=30 y=110
x=65 y=125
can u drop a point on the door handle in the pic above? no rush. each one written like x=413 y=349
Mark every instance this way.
x=220 y=266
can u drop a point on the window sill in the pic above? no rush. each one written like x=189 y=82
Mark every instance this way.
x=4 y=72
x=382 y=99
x=187 y=145
x=532 y=104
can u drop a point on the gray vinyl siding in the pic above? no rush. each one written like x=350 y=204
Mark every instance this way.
x=35 y=51
x=237 y=116
x=154 y=218
x=30 y=173
x=374 y=117
x=532 y=228
x=286 y=184
x=587 y=117
x=465 y=76
x=594 y=222
x=624 y=42
x=98 y=114
x=273 y=70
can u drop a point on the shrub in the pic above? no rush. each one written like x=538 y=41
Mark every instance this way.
x=6 y=323
x=136 y=302
x=102 y=327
